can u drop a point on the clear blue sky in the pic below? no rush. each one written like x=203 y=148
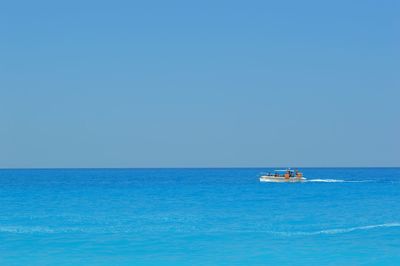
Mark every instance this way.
x=199 y=83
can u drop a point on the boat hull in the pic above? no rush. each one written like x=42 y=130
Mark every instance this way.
x=279 y=179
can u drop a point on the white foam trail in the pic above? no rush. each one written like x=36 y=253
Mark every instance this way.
x=326 y=180
x=337 y=181
x=317 y=180
x=339 y=230
x=25 y=229
x=48 y=230
x=36 y=229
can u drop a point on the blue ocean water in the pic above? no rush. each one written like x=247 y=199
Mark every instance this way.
x=342 y=216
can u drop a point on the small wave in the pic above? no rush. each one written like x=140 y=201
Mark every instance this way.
x=337 y=231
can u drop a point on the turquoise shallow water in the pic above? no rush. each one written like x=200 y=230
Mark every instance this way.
x=345 y=216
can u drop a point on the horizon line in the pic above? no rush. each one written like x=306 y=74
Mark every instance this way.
x=186 y=167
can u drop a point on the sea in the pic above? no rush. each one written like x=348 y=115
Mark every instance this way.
x=206 y=216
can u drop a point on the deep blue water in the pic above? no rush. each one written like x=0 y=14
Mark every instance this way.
x=199 y=217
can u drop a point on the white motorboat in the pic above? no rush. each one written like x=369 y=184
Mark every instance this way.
x=287 y=175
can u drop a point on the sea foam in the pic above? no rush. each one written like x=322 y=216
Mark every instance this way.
x=37 y=230
x=336 y=230
x=337 y=181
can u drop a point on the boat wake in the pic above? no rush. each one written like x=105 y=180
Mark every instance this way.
x=326 y=180
x=318 y=181
x=37 y=229
x=337 y=181
x=337 y=231
x=48 y=230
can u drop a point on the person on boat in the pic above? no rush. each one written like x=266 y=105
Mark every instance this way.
x=298 y=174
x=287 y=174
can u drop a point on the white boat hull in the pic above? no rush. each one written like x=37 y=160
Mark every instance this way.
x=281 y=179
